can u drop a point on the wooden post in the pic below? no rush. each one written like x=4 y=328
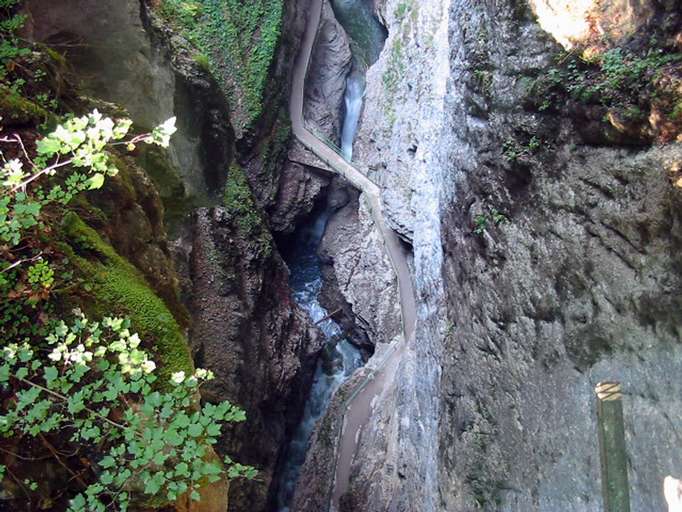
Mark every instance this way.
x=614 y=460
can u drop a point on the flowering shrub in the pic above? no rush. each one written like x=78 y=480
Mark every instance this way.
x=89 y=386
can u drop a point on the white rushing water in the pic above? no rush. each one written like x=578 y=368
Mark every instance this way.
x=367 y=38
x=355 y=90
x=337 y=362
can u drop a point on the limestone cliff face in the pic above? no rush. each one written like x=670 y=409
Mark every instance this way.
x=537 y=276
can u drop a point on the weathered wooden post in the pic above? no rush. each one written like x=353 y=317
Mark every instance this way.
x=614 y=460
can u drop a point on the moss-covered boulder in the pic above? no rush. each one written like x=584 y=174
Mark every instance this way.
x=111 y=286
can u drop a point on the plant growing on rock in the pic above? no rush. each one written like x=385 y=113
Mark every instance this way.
x=628 y=84
x=483 y=220
x=10 y=23
x=92 y=384
x=80 y=392
x=513 y=150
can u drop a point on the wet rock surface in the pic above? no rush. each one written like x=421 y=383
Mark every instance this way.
x=249 y=331
x=521 y=318
x=354 y=259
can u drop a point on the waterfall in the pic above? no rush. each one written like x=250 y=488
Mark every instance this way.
x=355 y=90
x=367 y=38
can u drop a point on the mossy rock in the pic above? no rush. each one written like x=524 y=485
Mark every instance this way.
x=156 y=163
x=16 y=110
x=115 y=287
x=239 y=202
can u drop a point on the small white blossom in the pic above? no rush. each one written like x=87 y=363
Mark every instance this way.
x=10 y=351
x=148 y=366
x=134 y=341
x=178 y=377
x=56 y=354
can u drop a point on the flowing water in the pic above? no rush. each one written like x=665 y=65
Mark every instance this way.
x=355 y=90
x=337 y=362
x=367 y=37
x=339 y=358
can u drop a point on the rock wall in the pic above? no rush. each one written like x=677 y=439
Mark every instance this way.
x=249 y=331
x=355 y=260
x=121 y=53
x=244 y=324
x=536 y=277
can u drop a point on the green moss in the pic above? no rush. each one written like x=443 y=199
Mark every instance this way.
x=276 y=145
x=117 y=288
x=240 y=40
x=177 y=205
x=19 y=110
x=203 y=61
x=240 y=204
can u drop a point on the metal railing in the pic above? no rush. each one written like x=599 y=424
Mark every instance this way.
x=323 y=139
x=345 y=405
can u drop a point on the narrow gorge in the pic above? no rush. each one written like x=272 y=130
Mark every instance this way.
x=345 y=255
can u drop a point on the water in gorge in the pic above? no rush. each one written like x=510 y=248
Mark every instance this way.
x=338 y=360
x=367 y=36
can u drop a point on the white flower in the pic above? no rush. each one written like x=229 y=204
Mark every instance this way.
x=161 y=134
x=148 y=366
x=10 y=352
x=202 y=374
x=178 y=377
x=55 y=355
x=134 y=341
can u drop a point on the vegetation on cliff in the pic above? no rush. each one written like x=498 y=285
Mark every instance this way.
x=239 y=203
x=638 y=87
x=85 y=388
x=94 y=416
x=237 y=41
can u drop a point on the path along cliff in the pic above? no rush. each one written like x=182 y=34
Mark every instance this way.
x=358 y=410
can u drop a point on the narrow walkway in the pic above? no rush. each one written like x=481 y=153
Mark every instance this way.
x=358 y=411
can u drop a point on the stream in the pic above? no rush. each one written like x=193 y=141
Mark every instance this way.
x=339 y=358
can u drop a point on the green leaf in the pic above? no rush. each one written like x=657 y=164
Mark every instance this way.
x=153 y=485
x=107 y=462
x=95 y=181
x=78 y=503
x=51 y=374
x=4 y=373
x=182 y=469
x=173 y=438
x=213 y=429
x=48 y=146
x=195 y=430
